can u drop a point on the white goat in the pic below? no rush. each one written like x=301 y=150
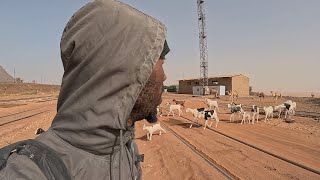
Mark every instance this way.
x=213 y=105
x=152 y=129
x=293 y=107
x=288 y=102
x=269 y=112
x=197 y=113
x=280 y=108
x=246 y=115
x=174 y=107
x=211 y=114
x=255 y=110
x=235 y=108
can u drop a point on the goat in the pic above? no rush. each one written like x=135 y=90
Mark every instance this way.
x=39 y=131
x=288 y=102
x=174 y=107
x=255 y=110
x=179 y=102
x=246 y=115
x=197 y=113
x=233 y=94
x=206 y=90
x=212 y=114
x=214 y=92
x=280 y=108
x=293 y=107
x=235 y=108
x=276 y=95
x=159 y=111
x=269 y=112
x=261 y=96
x=212 y=104
x=290 y=108
x=152 y=129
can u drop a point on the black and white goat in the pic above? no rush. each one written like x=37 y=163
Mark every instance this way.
x=197 y=113
x=235 y=108
x=290 y=108
x=39 y=131
x=255 y=110
x=210 y=115
x=280 y=108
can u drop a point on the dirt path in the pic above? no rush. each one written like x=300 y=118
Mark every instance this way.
x=168 y=158
x=240 y=160
x=25 y=128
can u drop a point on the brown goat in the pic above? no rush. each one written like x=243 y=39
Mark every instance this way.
x=179 y=102
x=261 y=95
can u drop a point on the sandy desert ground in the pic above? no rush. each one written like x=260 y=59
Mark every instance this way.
x=166 y=157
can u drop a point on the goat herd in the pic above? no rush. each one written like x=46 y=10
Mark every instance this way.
x=211 y=111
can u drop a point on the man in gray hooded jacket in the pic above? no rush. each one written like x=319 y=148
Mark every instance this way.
x=112 y=56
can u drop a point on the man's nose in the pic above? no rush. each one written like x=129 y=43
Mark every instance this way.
x=164 y=77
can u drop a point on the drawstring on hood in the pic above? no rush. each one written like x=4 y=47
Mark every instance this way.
x=121 y=149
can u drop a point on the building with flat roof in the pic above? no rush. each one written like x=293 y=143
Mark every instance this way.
x=238 y=82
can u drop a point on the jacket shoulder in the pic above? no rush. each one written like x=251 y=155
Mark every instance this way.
x=21 y=167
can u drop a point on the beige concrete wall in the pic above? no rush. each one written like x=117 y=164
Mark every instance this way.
x=241 y=85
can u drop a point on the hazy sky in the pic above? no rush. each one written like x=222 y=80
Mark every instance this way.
x=274 y=42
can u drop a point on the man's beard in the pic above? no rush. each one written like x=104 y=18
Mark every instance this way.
x=152 y=116
x=146 y=104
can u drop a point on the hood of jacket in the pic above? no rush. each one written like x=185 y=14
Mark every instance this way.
x=108 y=51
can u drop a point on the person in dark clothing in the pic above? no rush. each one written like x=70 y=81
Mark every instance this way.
x=112 y=56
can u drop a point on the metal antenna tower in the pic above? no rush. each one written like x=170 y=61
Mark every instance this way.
x=203 y=45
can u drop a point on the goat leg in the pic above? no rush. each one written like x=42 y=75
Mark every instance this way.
x=191 y=125
x=210 y=124
x=163 y=130
x=205 y=124
x=266 y=116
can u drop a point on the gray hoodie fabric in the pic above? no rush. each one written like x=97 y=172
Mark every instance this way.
x=108 y=51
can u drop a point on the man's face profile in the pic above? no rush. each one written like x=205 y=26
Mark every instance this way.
x=150 y=96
